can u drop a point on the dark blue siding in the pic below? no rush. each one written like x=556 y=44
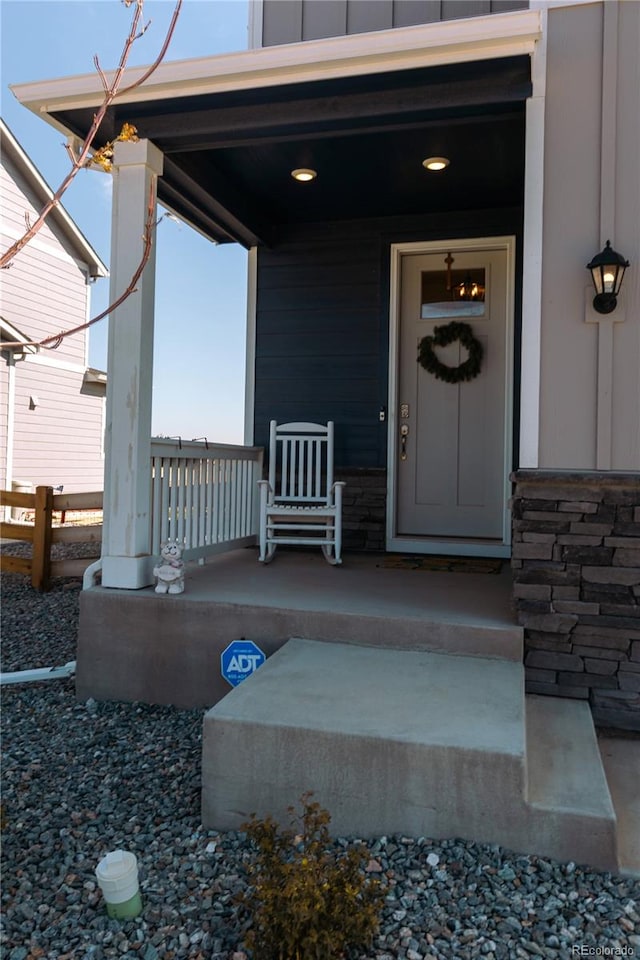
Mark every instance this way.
x=323 y=319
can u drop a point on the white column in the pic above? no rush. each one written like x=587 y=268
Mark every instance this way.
x=126 y=543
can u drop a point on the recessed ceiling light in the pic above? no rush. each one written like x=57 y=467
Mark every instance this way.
x=304 y=174
x=435 y=163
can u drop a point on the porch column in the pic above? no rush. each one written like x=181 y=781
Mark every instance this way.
x=126 y=560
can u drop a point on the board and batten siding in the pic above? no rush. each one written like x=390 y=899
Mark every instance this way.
x=572 y=351
x=289 y=21
x=322 y=323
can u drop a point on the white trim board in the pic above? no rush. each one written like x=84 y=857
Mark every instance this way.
x=530 y=349
x=399 y=48
x=250 y=349
x=448 y=545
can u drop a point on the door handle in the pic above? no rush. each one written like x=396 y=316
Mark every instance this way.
x=404 y=433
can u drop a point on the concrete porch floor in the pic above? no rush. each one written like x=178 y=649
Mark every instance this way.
x=303 y=580
x=137 y=645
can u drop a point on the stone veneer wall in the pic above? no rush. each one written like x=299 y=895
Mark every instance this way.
x=363 y=508
x=576 y=571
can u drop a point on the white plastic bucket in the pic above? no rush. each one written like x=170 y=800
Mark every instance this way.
x=117 y=875
x=20 y=486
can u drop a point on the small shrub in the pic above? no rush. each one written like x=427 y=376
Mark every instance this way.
x=308 y=900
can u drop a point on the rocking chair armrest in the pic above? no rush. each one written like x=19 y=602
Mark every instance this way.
x=266 y=492
x=335 y=494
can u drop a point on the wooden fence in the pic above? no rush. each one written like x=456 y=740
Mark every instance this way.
x=42 y=533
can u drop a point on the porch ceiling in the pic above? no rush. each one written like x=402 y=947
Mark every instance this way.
x=228 y=155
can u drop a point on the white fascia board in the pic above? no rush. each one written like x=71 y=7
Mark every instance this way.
x=69 y=366
x=400 y=48
x=10 y=333
x=93 y=375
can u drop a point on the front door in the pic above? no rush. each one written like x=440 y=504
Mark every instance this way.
x=452 y=445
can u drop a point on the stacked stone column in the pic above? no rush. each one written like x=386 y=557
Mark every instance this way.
x=576 y=570
x=364 y=508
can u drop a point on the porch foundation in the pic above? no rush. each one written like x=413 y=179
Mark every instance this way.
x=138 y=645
x=576 y=571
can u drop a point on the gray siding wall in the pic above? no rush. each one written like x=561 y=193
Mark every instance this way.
x=60 y=439
x=45 y=289
x=288 y=21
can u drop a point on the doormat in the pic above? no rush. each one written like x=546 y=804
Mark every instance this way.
x=444 y=564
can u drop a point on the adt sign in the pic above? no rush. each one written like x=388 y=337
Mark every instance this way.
x=240 y=659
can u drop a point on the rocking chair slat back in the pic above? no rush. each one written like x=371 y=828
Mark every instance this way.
x=301 y=462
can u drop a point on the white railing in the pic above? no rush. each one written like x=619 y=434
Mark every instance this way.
x=205 y=495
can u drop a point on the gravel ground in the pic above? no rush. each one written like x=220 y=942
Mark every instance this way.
x=80 y=779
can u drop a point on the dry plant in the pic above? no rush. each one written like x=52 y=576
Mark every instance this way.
x=307 y=900
x=86 y=155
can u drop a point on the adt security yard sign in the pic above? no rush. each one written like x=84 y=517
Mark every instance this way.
x=240 y=659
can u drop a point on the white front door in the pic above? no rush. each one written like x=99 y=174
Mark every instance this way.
x=451 y=446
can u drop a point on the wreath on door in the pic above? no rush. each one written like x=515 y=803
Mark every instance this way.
x=442 y=337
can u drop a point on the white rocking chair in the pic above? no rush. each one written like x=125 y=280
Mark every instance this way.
x=300 y=503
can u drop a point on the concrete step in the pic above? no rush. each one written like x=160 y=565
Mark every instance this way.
x=411 y=742
x=389 y=741
x=571 y=815
x=621 y=761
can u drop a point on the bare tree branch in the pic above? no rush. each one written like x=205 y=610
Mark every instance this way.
x=54 y=341
x=111 y=92
x=101 y=74
x=154 y=66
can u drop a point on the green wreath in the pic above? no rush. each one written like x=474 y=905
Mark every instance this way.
x=442 y=337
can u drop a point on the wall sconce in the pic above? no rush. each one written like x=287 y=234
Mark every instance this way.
x=607 y=270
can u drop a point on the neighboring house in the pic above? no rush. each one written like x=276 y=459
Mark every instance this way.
x=52 y=402
x=535 y=108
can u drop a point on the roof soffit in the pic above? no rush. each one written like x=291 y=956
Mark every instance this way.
x=223 y=123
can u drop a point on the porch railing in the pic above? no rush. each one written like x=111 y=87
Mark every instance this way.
x=204 y=495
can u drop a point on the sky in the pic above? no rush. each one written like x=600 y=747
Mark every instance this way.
x=200 y=287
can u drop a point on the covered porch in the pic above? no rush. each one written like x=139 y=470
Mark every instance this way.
x=219 y=141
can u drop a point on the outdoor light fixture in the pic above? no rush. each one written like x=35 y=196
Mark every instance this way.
x=435 y=164
x=304 y=174
x=607 y=270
